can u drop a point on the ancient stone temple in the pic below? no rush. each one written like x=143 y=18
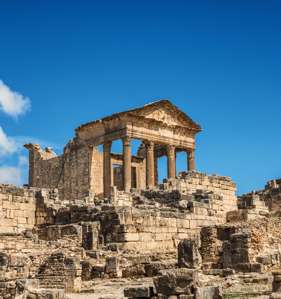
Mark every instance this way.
x=82 y=169
x=96 y=224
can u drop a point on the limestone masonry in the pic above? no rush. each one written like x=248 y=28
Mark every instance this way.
x=96 y=224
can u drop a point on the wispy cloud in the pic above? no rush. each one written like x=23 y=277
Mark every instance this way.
x=11 y=149
x=11 y=102
x=8 y=145
x=10 y=175
x=13 y=157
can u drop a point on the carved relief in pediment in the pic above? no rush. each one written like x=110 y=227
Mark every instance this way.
x=164 y=116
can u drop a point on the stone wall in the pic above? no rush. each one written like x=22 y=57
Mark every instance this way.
x=17 y=208
x=77 y=173
x=155 y=231
x=249 y=246
x=270 y=195
x=190 y=182
x=68 y=172
x=23 y=208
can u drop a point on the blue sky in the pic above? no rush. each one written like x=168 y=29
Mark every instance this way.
x=219 y=61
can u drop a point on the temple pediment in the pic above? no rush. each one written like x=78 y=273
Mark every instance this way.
x=164 y=116
x=167 y=113
x=161 y=113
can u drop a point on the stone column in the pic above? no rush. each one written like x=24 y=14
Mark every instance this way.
x=171 y=159
x=155 y=168
x=127 y=169
x=190 y=160
x=34 y=157
x=107 y=168
x=150 y=164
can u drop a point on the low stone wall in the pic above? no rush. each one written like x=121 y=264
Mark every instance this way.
x=23 y=208
x=17 y=208
x=251 y=246
x=161 y=230
x=270 y=196
x=191 y=182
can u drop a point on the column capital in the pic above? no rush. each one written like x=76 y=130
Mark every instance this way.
x=170 y=150
x=149 y=145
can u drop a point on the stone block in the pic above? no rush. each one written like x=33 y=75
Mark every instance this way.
x=213 y=292
x=112 y=266
x=188 y=254
x=138 y=292
x=134 y=271
x=175 y=282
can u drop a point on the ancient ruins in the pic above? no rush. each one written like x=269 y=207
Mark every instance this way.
x=99 y=225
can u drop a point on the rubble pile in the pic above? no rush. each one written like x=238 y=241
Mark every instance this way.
x=166 y=242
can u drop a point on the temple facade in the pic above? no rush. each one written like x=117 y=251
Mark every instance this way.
x=84 y=170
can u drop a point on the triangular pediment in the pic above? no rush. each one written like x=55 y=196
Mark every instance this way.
x=162 y=111
x=165 y=116
x=167 y=113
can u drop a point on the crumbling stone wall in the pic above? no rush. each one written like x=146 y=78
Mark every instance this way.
x=17 y=208
x=190 y=182
x=24 y=208
x=270 y=196
x=161 y=230
x=68 y=172
x=78 y=172
x=250 y=246
x=59 y=271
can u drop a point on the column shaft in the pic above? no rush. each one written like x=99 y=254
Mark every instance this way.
x=155 y=168
x=190 y=160
x=150 y=180
x=127 y=161
x=171 y=159
x=107 y=169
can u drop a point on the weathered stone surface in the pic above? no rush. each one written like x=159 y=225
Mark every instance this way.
x=208 y=293
x=138 y=292
x=188 y=254
x=175 y=282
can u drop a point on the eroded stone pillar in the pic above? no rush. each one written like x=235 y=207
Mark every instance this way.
x=107 y=168
x=127 y=161
x=171 y=159
x=150 y=180
x=190 y=160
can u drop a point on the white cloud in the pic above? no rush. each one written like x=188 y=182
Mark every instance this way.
x=23 y=161
x=8 y=145
x=12 y=102
x=15 y=174
x=10 y=175
x=11 y=149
